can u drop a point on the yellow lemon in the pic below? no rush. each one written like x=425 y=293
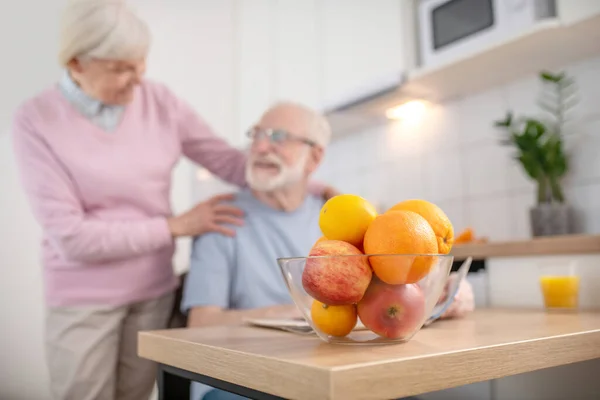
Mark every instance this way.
x=346 y=217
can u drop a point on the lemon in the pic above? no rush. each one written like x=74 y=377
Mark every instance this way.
x=346 y=217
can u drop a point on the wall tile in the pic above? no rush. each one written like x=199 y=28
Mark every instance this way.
x=518 y=180
x=522 y=96
x=401 y=141
x=349 y=182
x=520 y=204
x=586 y=75
x=405 y=179
x=443 y=176
x=440 y=129
x=490 y=216
x=370 y=146
x=584 y=149
x=343 y=153
x=477 y=115
x=486 y=169
x=455 y=210
x=584 y=200
x=374 y=185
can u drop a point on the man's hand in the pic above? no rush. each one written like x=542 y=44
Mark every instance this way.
x=464 y=301
x=330 y=192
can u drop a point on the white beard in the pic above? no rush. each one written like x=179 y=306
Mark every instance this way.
x=287 y=175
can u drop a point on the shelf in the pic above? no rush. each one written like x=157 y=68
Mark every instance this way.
x=543 y=246
x=550 y=45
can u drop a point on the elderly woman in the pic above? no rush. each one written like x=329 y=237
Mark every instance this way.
x=96 y=153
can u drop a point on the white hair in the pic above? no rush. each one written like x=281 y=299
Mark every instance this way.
x=318 y=130
x=104 y=29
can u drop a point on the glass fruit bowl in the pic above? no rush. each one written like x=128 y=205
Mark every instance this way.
x=366 y=299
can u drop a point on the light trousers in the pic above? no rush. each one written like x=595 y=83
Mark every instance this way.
x=92 y=351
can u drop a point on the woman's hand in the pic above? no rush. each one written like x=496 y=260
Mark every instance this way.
x=329 y=192
x=208 y=216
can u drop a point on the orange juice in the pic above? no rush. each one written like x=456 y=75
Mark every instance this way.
x=560 y=291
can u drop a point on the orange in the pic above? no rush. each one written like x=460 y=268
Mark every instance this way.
x=466 y=236
x=346 y=217
x=437 y=219
x=400 y=232
x=334 y=320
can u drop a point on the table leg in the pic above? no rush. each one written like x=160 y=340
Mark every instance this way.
x=174 y=384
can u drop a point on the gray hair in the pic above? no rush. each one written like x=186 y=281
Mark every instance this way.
x=318 y=130
x=104 y=29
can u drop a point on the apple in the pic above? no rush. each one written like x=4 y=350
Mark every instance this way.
x=336 y=281
x=392 y=311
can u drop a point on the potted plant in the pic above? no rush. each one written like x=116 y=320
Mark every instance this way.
x=540 y=151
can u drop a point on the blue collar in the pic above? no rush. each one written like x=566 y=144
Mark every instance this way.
x=87 y=105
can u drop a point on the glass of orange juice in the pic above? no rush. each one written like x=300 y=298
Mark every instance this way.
x=560 y=286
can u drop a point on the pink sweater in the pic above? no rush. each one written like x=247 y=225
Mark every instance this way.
x=102 y=198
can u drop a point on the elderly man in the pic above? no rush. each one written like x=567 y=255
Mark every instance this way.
x=235 y=277
x=232 y=278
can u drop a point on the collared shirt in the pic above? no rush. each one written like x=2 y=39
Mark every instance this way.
x=105 y=116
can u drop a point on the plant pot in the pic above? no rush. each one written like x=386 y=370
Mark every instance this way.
x=551 y=219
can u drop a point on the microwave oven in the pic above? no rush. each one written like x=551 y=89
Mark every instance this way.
x=452 y=29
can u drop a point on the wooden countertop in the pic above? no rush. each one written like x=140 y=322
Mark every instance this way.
x=488 y=344
x=554 y=245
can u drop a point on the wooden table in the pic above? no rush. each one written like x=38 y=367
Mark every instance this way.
x=262 y=363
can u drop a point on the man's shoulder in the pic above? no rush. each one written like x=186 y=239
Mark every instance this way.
x=243 y=200
x=212 y=242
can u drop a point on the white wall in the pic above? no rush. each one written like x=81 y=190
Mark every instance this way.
x=453 y=158
x=192 y=53
x=28 y=64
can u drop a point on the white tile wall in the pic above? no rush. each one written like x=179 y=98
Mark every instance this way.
x=454 y=159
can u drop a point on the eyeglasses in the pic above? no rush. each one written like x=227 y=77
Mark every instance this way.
x=277 y=136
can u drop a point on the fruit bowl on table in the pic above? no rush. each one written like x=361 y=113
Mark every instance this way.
x=392 y=295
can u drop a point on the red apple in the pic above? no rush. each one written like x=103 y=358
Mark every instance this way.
x=392 y=311
x=335 y=280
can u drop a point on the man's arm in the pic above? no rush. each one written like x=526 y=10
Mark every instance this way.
x=207 y=292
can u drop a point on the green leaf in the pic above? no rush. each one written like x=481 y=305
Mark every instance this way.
x=530 y=165
x=550 y=77
x=506 y=122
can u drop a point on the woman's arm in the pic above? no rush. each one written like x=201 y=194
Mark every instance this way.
x=200 y=144
x=57 y=207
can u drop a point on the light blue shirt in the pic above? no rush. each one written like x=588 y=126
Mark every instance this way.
x=242 y=272
x=105 y=116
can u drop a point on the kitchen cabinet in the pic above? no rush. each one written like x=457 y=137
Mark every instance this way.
x=361 y=48
x=296 y=52
x=254 y=68
x=321 y=53
x=277 y=56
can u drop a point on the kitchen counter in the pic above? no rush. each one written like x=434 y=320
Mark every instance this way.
x=543 y=246
x=488 y=344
